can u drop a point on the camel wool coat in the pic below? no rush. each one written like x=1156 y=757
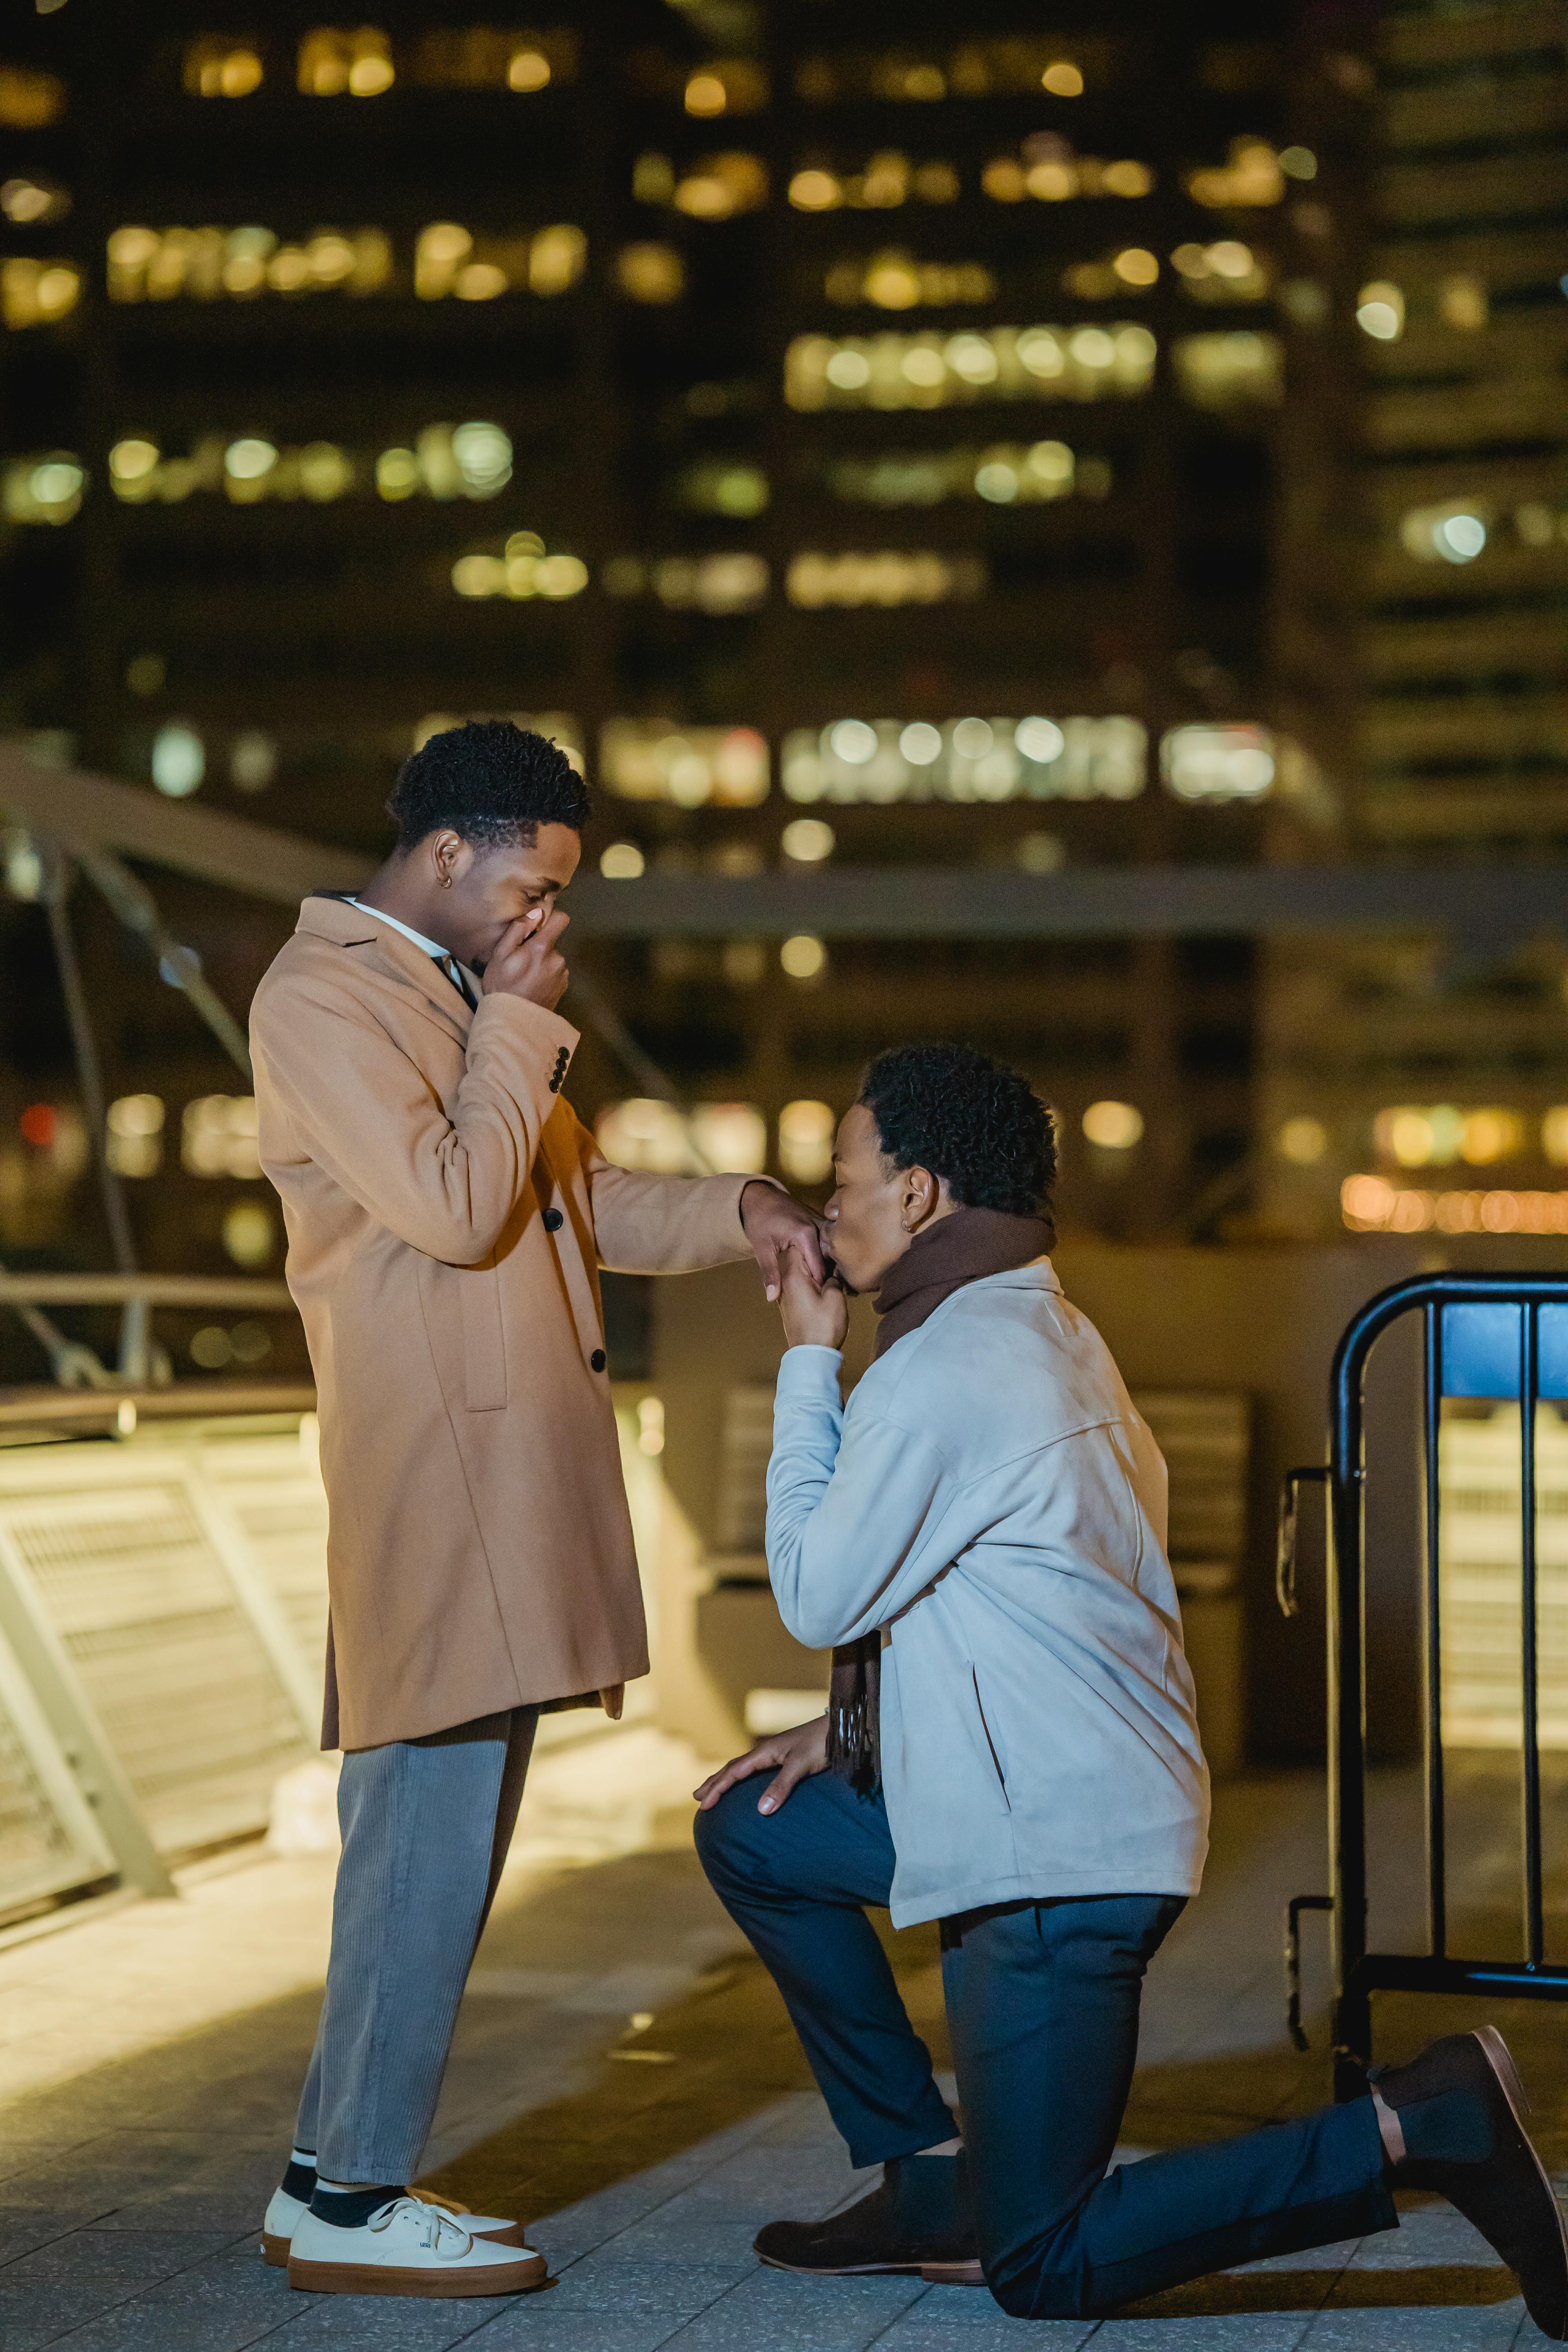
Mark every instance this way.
x=446 y=1216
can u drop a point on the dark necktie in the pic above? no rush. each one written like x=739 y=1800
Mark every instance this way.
x=459 y=978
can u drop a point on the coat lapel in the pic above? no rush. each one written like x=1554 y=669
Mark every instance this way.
x=376 y=949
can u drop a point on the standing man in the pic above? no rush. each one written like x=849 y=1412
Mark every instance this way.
x=446 y=1217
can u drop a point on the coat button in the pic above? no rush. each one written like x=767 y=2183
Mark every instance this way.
x=553 y=1221
x=597 y=1360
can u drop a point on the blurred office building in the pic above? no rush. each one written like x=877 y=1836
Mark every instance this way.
x=861 y=440
x=1412 y=1084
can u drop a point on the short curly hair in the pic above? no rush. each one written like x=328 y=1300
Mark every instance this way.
x=971 y=1120
x=492 y=781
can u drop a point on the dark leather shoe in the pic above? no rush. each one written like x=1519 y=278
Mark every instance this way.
x=914 y=2222
x=1461 y=2108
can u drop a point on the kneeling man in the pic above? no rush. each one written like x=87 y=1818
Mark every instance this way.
x=988 y=1514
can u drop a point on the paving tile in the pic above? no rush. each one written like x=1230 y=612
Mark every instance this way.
x=219 y=2308
x=1252 y=2331
x=534 y=2325
x=992 y=2332
x=600 y=2281
x=24 y=2228
x=381 y=2323
x=1494 y=2328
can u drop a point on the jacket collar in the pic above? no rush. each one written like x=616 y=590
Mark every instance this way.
x=328 y=915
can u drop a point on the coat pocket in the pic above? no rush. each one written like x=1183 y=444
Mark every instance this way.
x=484 y=1343
x=991 y=1747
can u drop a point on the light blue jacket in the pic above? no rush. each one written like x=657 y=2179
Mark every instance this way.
x=991 y=1501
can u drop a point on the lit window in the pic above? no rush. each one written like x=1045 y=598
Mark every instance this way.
x=218 y=1137
x=720 y=485
x=1251 y=175
x=650 y=273
x=713 y=188
x=732 y=1138
x=252 y=760
x=205 y=264
x=1380 y=311
x=250 y=1239
x=729 y=85
x=1046 y=168
x=1298 y=163
x=807 y=841
x=1302 y=1140
x=644 y=1134
x=1438 y=1134
x=522 y=570
x=1005 y=474
x=30 y=100
x=1040 y=852
x=1226 y=271
x=217 y=67
x=1455 y=532
x=996 y=65
x=932 y=370
x=804 y=957
x=1113 y=1126
x=1370 y=1205
x=1555 y=1135
x=29 y=201
x=622 y=862
x=721 y=583
x=1217 y=763
x=973 y=759
x=692 y=767
x=1234 y=371
x=815 y=192
x=1462 y=302
x=36 y=293
x=894 y=281
x=492 y=57
x=333 y=61
x=893 y=577
x=805 y=1141
x=179 y=760
x=46 y=489
x=134 y=1145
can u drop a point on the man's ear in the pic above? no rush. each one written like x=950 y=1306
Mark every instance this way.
x=922 y=1194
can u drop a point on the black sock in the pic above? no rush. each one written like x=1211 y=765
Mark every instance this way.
x=298 y=2180
x=351 y=2208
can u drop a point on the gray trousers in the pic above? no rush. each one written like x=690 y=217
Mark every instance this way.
x=426 y=1824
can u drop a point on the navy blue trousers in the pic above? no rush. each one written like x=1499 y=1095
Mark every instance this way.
x=1042 y=2007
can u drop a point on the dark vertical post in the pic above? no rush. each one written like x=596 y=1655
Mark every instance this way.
x=1529 y=1384
x=1432 y=1707
x=1347 y=1716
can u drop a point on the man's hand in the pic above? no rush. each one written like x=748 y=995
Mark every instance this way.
x=815 y=1314
x=791 y=1756
x=527 y=963
x=774 y=1224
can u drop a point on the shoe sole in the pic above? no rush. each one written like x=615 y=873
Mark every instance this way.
x=275 y=2251
x=933 y=2274
x=1499 y=2058
x=373 y=2278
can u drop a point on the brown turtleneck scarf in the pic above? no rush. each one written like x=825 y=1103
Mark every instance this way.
x=961 y=1248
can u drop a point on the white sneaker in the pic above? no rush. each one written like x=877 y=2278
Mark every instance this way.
x=285 y=2213
x=407 y=2248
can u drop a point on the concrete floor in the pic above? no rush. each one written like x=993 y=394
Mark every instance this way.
x=625 y=2080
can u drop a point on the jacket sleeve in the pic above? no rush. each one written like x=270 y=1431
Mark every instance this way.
x=854 y=1505
x=355 y=1103
x=663 y=1224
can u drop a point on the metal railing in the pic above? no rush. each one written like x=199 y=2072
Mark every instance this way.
x=1482 y=1335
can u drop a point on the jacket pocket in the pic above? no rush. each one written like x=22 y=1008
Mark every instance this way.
x=991 y=1747
x=484 y=1344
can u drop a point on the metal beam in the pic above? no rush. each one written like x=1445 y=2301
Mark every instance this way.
x=86 y=812
x=1485 y=905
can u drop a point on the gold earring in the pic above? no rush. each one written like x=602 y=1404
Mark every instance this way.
x=446 y=881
